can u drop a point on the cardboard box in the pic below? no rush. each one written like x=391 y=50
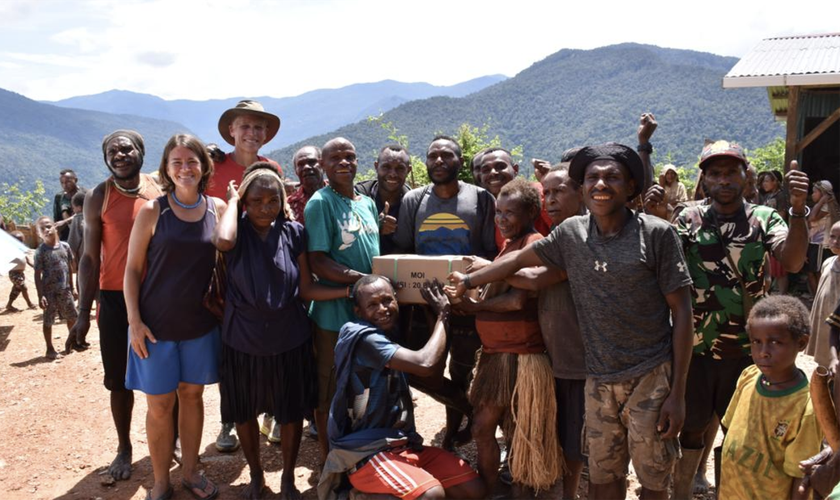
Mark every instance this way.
x=409 y=272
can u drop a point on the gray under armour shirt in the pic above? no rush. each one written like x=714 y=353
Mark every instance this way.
x=619 y=285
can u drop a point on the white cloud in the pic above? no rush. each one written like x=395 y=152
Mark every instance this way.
x=80 y=38
x=15 y=11
x=217 y=48
x=51 y=60
x=156 y=59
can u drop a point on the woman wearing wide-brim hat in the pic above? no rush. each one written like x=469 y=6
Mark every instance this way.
x=247 y=127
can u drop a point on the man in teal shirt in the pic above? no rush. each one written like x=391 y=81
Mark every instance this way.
x=342 y=239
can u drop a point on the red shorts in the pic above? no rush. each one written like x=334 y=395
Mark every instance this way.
x=408 y=474
x=777 y=270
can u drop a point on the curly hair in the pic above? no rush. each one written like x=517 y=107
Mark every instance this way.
x=528 y=195
x=785 y=307
x=195 y=145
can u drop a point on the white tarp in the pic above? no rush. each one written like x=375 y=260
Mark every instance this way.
x=12 y=252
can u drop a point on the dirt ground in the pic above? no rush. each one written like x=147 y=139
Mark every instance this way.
x=57 y=437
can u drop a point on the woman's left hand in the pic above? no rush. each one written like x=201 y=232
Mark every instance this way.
x=139 y=333
x=232 y=192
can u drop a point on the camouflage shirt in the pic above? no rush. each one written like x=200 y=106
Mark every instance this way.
x=716 y=293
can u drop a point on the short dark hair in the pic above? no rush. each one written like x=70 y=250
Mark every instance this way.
x=78 y=199
x=493 y=149
x=195 y=145
x=563 y=168
x=528 y=194
x=790 y=308
x=294 y=157
x=366 y=280
x=393 y=147
x=458 y=151
x=478 y=155
x=67 y=171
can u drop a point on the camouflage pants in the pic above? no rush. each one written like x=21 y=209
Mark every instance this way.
x=620 y=426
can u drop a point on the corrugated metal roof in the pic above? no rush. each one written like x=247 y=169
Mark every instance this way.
x=794 y=60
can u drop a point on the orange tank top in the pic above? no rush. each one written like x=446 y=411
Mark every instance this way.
x=118 y=212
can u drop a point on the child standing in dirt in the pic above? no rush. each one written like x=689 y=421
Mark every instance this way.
x=54 y=281
x=770 y=422
x=18 y=279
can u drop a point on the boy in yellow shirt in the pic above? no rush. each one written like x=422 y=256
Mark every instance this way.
x=770 y=421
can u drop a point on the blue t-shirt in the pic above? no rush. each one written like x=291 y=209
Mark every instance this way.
x=348 y=232
x=374 y=396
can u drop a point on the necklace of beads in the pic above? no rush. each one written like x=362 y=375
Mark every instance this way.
x=767 y=383
x=184 y=205
x=132 y=191
x=347 y=201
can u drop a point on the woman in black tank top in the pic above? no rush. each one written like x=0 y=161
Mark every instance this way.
x=174 y=340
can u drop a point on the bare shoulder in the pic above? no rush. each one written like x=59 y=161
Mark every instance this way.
x=97 y=194
x=94 y=199
x=218 y=203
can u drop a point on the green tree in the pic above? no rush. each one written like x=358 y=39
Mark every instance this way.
x=21 y=206
x=769 y=157
x=418 y=175
x=474 y=139
x=471 y=139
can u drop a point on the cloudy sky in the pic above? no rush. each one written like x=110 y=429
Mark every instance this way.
x=190 y=49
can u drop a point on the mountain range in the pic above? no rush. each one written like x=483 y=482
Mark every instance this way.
x=38 y=140
x=312 y=113
x=572 y=97
x=579 y=97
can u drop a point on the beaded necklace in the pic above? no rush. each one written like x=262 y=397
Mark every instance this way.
x=768 y=384
x=184 y=205
x=349 y=202
x=130 y=192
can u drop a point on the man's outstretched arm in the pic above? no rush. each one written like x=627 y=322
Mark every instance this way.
x=497 y=271
x=427 y=361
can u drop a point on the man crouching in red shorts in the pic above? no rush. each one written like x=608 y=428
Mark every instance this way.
x=371 y=425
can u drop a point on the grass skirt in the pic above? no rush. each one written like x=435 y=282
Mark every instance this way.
x=525 y=384
x=284 y=385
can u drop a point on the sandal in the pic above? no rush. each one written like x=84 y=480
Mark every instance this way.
x=197 y=489
x=166 y=494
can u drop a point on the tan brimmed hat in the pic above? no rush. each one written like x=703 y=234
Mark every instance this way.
x=250 y=107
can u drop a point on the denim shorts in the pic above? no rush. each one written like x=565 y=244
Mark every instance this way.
x=194 y=361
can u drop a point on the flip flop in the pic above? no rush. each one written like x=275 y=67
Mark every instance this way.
x=166 y=494
x=200 y=486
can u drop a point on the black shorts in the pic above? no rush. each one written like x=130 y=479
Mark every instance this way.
x=571 y=408
x=814 y=263
x=710 y=385
x=112 y=319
